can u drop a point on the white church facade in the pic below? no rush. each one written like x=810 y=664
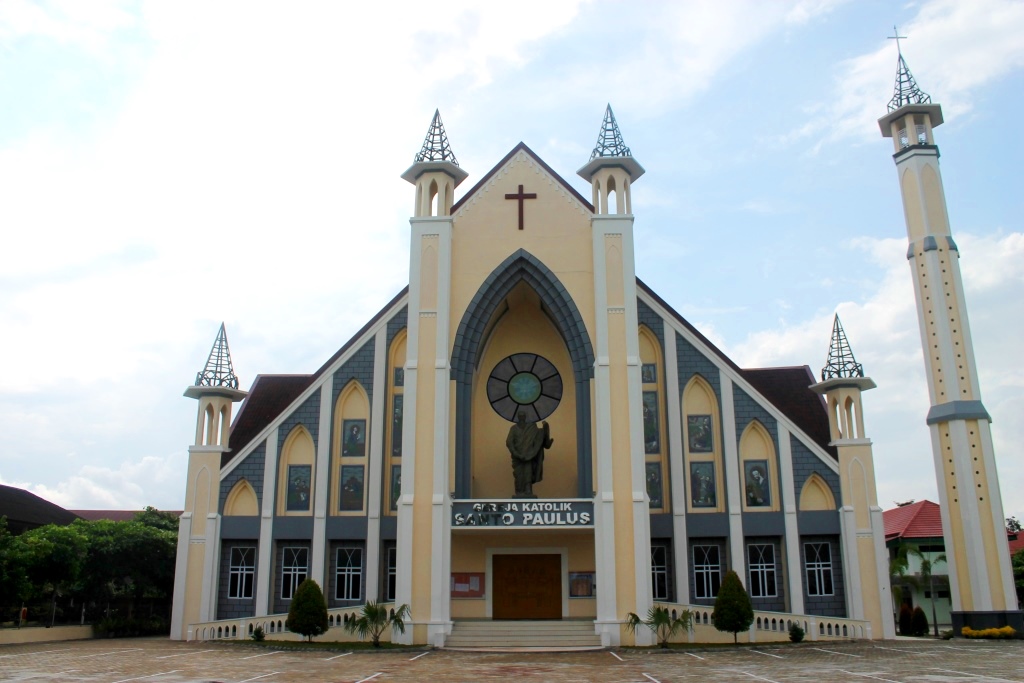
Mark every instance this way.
x=649 y=463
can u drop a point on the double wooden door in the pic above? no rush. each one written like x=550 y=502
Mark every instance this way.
x=526 y=586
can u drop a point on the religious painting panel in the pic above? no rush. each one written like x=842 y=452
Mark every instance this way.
x=652 y=432
x=399 y=377
x=699 y=433
x=654 y=487
x=759 y=491
x=354 y=444
x=299 y=487
x=351 y=487
x=582 y=585
x=649 y=373
x=702 y=485
x=397 y=410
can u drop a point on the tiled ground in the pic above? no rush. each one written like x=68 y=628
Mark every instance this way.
x=164 y=661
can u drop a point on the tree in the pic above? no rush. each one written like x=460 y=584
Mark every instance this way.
x=308 y=612
x=660 y=621
x=53 y=557
x=928 y=579
x=158 y=519
x=1013 y=525
x=1018 y=574
x=906 y=620
x=13 y=582
x=374 y=618
x=733 y=610
x=919 y=623
x=899 y=565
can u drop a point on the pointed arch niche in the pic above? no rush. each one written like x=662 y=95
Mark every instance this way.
x=655 y=443
x=521 y=308
x=702 y=447
x=758 y=471
x=349 y=449
x=296 y=474
x=241 y=500
x=816 y=495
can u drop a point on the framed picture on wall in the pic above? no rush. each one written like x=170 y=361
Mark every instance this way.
x=298 y=487
x=397 y=410
x=648 y=373
x=652 y=431
x=354 y=443
x=758 y=488
x=702 y=485
x=698 y=433
x=582 y=584
x=467 y=584
x=351 y=487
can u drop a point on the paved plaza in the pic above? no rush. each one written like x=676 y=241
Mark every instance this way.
x=164 y=661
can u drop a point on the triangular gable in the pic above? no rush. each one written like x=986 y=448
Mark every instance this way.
x=521 y=147
x=775 y=399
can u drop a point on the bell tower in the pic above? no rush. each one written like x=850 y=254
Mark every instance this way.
x=981 y=581
x=860 y=517
x=424 y=566
x=620 y=487
x=195 y=575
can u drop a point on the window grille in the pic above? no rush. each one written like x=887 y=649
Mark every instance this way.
x=818 y=566
x=293 y=570
x=661 y=575
x=348 y=583
x=707 y=571
x=762 y=570
x=242 y=572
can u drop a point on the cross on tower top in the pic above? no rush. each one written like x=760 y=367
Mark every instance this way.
x=897 y=38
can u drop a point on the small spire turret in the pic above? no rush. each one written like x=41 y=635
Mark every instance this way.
x=435 y=145
x=906 y=90
x=612 y=169
x=841 y=364
x=435 y=172
x=219 y=372
x=609 y=140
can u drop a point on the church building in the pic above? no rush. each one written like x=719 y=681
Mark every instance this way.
x=529 y=432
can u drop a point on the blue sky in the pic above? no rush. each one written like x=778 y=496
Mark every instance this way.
x=167 y=166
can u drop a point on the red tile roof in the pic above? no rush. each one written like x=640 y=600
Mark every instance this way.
x=917 y=520
x=1016 y=544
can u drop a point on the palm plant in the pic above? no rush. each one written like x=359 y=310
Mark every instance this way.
x=660 y=621
x=928 y=578
x=899 y=565
x=374 y=618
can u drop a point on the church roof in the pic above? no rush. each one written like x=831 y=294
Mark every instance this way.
x=25 y=510
x=917 y=520
x=540 y=162
x=268 y=396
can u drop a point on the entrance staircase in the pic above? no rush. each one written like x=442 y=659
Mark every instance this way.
x=485 y=634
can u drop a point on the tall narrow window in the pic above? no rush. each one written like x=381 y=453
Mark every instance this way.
x=707 y=571
x=762 y=570
x=390 y=573
x=652 y=400
x=818 y=565
x=242 y=571
x=294 y=567
x=349 y=574
x=661 y=572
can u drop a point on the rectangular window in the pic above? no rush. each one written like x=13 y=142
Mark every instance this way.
x=298 y=487
x=661 y=571
x=242 y=571
x=351 y=487
x=390 y=573
x=818 y=566
x=762 y=570
x=654 y=488
x=348 y=584
x=652 y=431
x=707 y=571
x=294 y=567
x=702 y=485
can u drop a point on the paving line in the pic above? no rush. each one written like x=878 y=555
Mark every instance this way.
x=616 y=656
x=418 y=656
x=254 y=678
x=768 y=654
x=139 y=678
x=877 y=678
x=760 y=678
x=182 y=654
x=904 y=650
x=964 y=673
x=266 y=654
x=337 y=656
x=69 y=671
x=651 y=678
x=362 y=680
x=24 y=654
x=693 y=655
x=833 y=652
x=115 y=652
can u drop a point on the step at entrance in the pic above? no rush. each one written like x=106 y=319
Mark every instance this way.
x=488 y=634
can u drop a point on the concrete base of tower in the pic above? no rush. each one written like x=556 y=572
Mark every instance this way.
x=982 y=620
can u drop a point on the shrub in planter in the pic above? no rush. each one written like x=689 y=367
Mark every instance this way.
x=919 y=623
x=258 y=635
x=308 y=612
x=796 y=633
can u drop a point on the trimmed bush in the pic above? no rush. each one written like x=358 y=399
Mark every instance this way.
x=733 y=610
x=308 y=612
x=906 y=620
x=796 y=633
x=258 y=635
x=919 y=623
x=996 y=633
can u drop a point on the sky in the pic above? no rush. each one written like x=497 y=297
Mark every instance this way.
x=168 y=166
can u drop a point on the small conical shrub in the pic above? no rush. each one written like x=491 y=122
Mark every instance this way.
x=733 y=610
x=919 y=623
x=906 y=620
x=308 y=612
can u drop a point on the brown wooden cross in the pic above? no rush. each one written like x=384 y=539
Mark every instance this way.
x=521 y=196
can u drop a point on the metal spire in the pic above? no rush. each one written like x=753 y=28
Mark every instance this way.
x=609 y=140
x=841 y=364
x=218 y=371
x=435 y=145
x=906 y=90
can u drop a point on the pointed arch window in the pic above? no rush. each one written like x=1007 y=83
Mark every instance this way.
x=702 y=447
x=653 y=398
x=351 y=448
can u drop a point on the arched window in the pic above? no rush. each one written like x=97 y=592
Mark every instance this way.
x=653 y=397
x=758 y=476
x=396 y=421
x=295 y=473
x=702 y=447
x=350 y=450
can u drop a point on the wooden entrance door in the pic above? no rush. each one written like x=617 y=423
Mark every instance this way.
x=526 y=586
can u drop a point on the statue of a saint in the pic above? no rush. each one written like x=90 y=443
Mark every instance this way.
x=526 y=442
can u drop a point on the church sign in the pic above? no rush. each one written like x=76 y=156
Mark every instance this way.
x=518 y=514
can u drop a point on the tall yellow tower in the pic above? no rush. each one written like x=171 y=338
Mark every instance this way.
x=860 y=518
x=981 y=580
x=195 y=572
